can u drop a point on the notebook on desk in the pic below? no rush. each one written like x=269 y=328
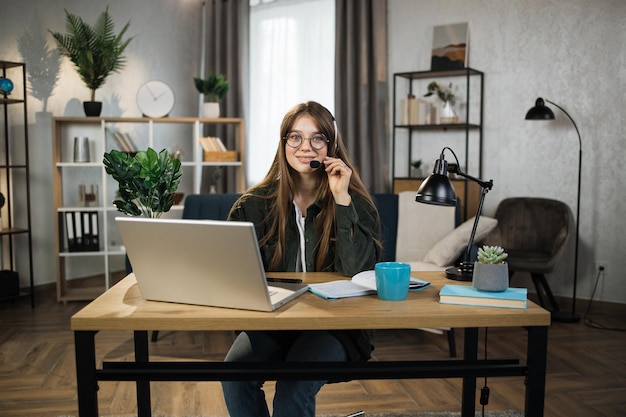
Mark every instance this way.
x=204 y=262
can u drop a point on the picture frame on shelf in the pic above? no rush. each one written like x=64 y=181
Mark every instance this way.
x=450 y=47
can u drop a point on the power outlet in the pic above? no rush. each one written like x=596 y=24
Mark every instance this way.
x=602 y=266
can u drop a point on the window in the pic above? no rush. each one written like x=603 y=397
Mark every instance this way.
x=292 y=59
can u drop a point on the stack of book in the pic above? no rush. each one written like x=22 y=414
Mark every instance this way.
x=81 y=231
x=215 y=150
x=470 y=296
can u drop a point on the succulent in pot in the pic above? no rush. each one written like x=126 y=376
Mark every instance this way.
x=491 y=273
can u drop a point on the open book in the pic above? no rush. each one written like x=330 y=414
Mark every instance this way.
x=363 y=283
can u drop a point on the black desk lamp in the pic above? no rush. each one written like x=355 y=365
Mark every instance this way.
x=541 y=112
x=437 y=189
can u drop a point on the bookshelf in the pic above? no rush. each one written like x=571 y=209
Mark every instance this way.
x=85 y=189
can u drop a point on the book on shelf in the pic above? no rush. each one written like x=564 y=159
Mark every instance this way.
x=363 y=283
x=215 y=150
x=470 y=296
x=212 y=144
x=124 y=142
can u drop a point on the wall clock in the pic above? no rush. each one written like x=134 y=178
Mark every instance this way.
x=155 y=99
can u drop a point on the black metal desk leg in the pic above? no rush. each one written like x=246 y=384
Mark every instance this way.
x=86 y=382
x=536 y=361
x=470 y=352
x=144 y=408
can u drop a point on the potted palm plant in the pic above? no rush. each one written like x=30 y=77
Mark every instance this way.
x=214 y=89
x=147 y=181
x=96 y=51
x=491 y=273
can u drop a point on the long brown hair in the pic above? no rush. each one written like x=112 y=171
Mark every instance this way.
x=281 y=173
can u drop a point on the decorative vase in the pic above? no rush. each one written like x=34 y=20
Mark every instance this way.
x=417 y=173
x=447 y=113
x=490 y=277
x=211 y=110
x=92 y=108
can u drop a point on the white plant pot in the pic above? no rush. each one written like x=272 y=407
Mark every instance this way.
x=490 y=277
x=211 y=110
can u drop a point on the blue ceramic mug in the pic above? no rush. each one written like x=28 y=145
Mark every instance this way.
x=392 y=280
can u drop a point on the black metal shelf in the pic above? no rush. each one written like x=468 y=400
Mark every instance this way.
x=467 y=126
x=20 y=225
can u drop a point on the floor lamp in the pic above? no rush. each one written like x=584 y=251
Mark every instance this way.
x=542 y=112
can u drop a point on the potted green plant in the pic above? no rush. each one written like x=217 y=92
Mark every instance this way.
x=213 y=89
x=96 y=51
x=416 y=168
x=147 y=181
x=491 y=273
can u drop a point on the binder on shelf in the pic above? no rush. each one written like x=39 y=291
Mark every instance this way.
x=69 y=230
x=95 y=238
x=85 y=219
x=78 y=231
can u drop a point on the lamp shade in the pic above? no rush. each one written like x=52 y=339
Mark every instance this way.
x=540 y=111
x=436 y=189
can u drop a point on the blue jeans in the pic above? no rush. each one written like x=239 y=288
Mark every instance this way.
x=292 y=398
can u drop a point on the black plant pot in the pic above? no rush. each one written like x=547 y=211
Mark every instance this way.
x=92 y=108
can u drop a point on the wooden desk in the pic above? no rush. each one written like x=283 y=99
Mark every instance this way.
x=122 y=308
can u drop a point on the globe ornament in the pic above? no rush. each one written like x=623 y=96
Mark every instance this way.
x=6 y=86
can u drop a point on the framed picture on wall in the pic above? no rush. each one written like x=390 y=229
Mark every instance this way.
x=450 y=47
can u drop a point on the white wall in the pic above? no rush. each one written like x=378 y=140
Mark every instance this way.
x=166 y=46
x=572 y=52
x=569 y=51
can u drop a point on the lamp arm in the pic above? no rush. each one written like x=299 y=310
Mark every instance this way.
x=580 y=158
x=488 y=185
x=468 y=251
x=456 y=170
x=580 y=144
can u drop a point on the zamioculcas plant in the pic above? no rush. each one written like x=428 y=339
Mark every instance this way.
x=147 y=181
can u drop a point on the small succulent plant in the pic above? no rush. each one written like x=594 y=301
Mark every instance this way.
x=491 y=255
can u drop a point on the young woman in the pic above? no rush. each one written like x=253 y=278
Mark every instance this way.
x=307 y=218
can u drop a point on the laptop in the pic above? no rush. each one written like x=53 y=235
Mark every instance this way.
x=204 y=262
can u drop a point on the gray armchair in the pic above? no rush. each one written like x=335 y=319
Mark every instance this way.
x=534 y=232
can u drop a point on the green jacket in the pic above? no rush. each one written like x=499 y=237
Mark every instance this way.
x=353 y=249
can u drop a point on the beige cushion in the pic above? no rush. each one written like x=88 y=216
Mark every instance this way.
x=420 y=226
x=448 y=249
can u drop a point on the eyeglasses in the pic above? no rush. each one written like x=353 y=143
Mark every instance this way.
x=318 y=141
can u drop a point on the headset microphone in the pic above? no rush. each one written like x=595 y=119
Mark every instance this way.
x=316 y=164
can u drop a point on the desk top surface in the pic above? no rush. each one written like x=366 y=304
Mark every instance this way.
x=123 y=308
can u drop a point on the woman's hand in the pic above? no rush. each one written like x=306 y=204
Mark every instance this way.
x=338 y=180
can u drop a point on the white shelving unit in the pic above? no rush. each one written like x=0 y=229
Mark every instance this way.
x=165 y=133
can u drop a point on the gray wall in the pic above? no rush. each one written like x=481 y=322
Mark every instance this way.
x=572 y=52
x=569 y=51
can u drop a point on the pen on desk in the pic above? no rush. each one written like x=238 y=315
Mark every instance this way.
x=357 y=414
x=286 y=280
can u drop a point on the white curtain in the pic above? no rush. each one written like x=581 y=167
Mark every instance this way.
x=292 y=60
